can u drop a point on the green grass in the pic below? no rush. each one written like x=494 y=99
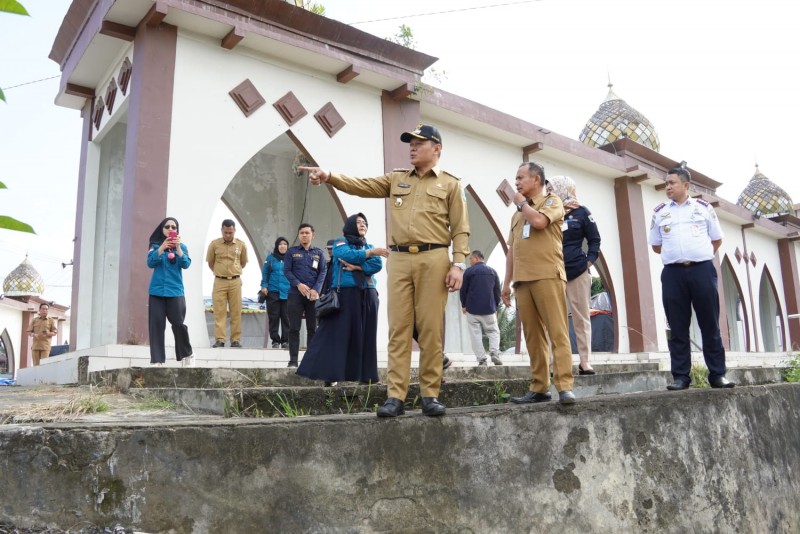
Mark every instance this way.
x=699 y=376
x=792 y=371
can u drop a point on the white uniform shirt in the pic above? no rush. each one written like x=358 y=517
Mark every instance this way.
x=685 y=231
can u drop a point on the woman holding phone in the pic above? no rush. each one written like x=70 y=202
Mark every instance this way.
x=168 y=257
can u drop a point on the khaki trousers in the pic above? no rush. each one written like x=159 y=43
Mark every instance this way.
x=542 y=304
x=39 y=355
x=227 y=296
x=416 y=294
x=578 y=291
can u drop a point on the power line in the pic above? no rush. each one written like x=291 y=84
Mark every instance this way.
x=416 y=15
x=31 y=82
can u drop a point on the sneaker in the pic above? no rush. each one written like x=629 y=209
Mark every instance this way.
x=188 y=361
x=566 y=397
x=236 y=345
x=482 y=363
x=157 y=364
x=276 y=345
x=292 y=364
x=284 y=345
x=446 y=362
x=218 y=344
x=496 y=359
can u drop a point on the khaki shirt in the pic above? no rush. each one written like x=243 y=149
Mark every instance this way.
x=227 y=259
x=40 y=327
x=540 y=256
x=426 y=209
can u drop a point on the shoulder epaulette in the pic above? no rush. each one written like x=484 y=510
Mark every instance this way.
x=448 y=173
x=401 y=170
x=702 y=202
x=658 y=208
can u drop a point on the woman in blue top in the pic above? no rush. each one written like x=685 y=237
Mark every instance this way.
x=275 y=286
x=345 y=345
x=168 y=257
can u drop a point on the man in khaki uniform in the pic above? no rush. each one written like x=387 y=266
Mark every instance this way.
x=226 y=257
x=535 y=261
x=427 y=212
x=42 y=329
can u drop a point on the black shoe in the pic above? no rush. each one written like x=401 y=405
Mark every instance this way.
x=446 y=362
x=284 y=345
x=532 y=396
x=720 y=382
x=391 y=408
x=582 y=371
x=276 y=345
x=292 y=364
x=218 y=344
x=678 y=385
x=236 y=345
x=566 y=397
x=431 y=406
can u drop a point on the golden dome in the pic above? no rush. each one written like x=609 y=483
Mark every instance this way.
x=615 y=119
x=23 y=281
x=763 y=197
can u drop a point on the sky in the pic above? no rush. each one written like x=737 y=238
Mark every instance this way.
x=718 y=80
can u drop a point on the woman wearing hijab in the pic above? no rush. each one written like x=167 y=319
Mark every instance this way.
x=579 y=226
x=345 y=345
x=275 y=286
x=168 y=257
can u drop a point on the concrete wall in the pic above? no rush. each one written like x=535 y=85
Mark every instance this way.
x=698 y=461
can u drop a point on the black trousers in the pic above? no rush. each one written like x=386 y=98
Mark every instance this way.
x=159 y=310
x=299 y=305
x=278 y=314
x=684 y=288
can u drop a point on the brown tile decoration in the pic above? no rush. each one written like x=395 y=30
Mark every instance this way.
x=290 y=108
x=111 y=93
x=247 y=97
x=738 y=255
x=348 y=74
x=118 y=31
x=506 y=192
x=99 y=108
x=233 y=38
x=329 y=119
x=124 y=75
x=753 y=258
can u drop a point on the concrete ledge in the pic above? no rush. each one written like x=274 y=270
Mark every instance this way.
x=694 y=461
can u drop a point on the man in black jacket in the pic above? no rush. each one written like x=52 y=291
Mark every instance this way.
x=480 y=296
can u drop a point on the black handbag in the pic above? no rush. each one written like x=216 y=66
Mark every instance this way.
x=328 y=303
x=262 y=298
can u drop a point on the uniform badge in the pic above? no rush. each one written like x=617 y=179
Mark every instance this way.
x=398 y=202
x=439 y=186
x=667 y=229
x=404 y=186
x=548 y=202
x=591 y=218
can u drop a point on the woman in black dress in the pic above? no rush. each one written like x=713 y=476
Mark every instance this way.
x=345 y=345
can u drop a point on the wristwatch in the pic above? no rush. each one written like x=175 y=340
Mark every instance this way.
x=519 y=206
x=461 y=266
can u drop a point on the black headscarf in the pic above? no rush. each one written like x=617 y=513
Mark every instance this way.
x=158 y=237
x=275 y=252
x=350 y=230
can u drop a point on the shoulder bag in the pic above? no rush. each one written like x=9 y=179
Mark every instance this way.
x=328 y=303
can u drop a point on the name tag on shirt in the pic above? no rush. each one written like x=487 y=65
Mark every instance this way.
x=564 y=227
x=526 y=231
x=695 y=230
x=315 y=264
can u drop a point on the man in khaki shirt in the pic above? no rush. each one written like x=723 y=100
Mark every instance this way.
x=226 y=257
x=427 y=212
x=42 y=329
x=535 y=261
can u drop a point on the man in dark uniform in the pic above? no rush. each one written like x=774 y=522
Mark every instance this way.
x=305 y=267
x=428 y=211
x=686 y=232
x=535 y=262
x=226 y=257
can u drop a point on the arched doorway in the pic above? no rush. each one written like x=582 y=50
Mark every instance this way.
x=735 y=309
x=7 y=364
x=770 y=314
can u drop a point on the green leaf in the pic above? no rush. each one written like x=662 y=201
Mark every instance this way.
x=2 y=96
x=9 y=223
x=12 y=6
x=3 y=186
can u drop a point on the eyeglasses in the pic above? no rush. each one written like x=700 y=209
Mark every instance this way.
x=170 y=227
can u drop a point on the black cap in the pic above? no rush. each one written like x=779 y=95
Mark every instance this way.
x=330 y=243
x=422 y=131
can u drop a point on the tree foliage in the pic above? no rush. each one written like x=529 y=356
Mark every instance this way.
x=10 y=6
x=10 y=223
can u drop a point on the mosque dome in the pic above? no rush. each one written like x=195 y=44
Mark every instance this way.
x=615 y=119
x=765 y=198
x=23 y=281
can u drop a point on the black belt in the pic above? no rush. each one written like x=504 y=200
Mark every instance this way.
x=688 y=263
x=227 y=277
x=415 y=249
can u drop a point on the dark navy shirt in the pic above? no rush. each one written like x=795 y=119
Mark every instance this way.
x=480 y=290
x=579 y=225
x=303 y=266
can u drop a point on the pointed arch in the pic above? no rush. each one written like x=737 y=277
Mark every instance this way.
x=735 y=308
x=7 y=360
x=773 y=327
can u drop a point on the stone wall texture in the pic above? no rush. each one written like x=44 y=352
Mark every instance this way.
x=694 y=461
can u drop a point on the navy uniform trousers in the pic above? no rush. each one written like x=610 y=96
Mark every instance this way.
x=684 y=288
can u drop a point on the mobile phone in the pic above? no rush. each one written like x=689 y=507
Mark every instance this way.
x=173 y=234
